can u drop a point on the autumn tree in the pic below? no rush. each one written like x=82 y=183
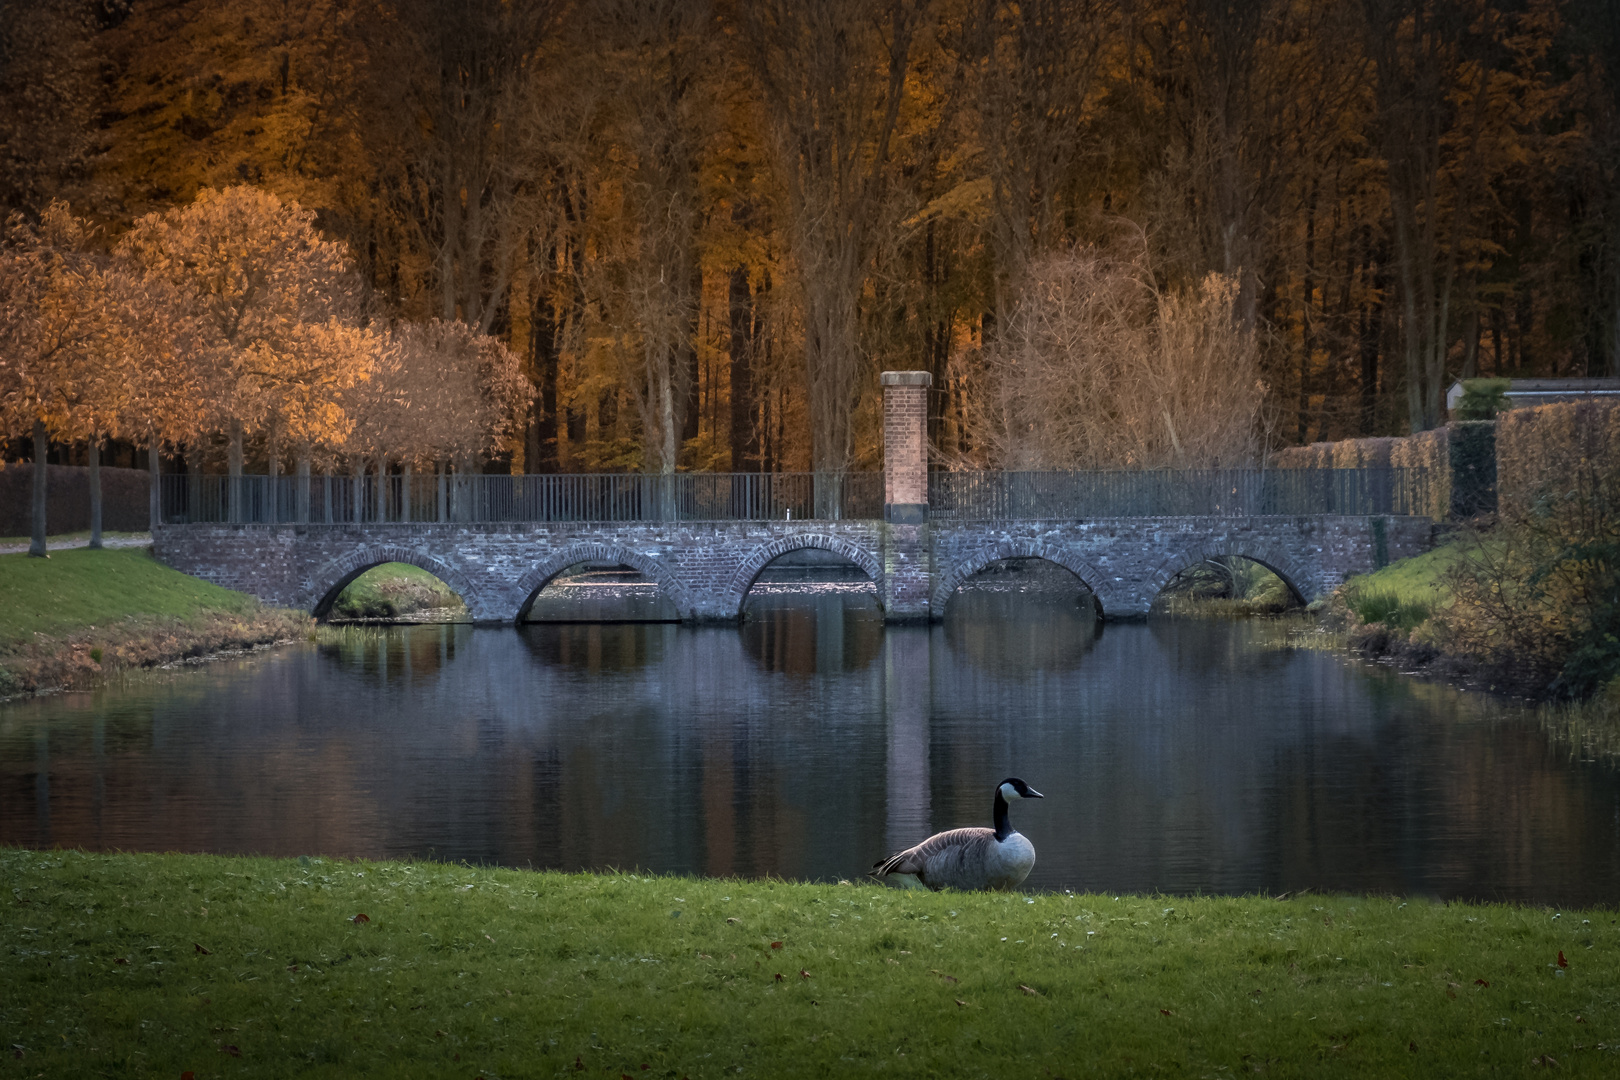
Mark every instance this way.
x=210 y=93
x=277 y=302
x=50 y=95
x=646 y=281
x=1101 y=367
x=1434 y=62
x=54 y=317
x=832 y=78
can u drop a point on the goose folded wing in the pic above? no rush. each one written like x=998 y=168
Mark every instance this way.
x=961 y=843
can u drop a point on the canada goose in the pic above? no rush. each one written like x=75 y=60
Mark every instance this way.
x=999 y=858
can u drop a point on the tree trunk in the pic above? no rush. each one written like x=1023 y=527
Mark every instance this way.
x=744 y=435
x=272 y=468
x=93 y=471
x=154 y=488
x=357 y=466
x=234 y=464
x=36 y=540
x=382 y=487
x=301 y=489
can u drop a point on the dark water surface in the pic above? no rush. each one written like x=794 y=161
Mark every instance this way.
x=1180 y=755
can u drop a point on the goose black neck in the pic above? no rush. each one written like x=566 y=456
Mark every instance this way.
x=1003 y=827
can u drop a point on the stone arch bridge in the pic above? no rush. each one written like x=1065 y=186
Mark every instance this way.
x=1112 y=530
x=707 y=568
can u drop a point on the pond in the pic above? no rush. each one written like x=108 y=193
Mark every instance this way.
x=1177 y=755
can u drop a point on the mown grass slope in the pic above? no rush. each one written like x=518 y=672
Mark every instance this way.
x=163 y=964
x=393 y=590
x=77 y=587
x=66 y=620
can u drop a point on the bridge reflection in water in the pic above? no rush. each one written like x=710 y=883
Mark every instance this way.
x=1177 y=755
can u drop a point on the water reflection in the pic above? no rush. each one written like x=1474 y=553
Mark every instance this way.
x=1177 y=755
x=599 y=592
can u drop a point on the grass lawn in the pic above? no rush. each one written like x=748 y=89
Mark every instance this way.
x=163 y=965
x=392 y=590
x=78 y=587
x=69 y=619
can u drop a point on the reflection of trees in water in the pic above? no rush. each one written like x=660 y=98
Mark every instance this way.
x=595 y=592
x=1233 y=578
x=812 y=612
x=395 y=654
x=811 y=632
x=592 y=648
x=1022 y=615
x=1192 y=647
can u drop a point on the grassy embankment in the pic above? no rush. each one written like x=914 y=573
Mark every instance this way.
x=156 y=965
x=394 y=591
x=68 y=619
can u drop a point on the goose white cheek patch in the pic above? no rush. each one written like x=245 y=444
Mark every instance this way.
x=1009 y=792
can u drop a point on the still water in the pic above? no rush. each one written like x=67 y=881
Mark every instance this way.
x=1179 y=755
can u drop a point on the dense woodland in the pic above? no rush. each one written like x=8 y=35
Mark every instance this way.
x=1117 y=232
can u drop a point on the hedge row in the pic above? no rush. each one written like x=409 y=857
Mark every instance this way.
x=124 y=506
x=1555 y=446
x=1459 y=461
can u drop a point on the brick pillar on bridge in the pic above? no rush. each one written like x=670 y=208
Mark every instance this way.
x=907 y=560
x=905 y=446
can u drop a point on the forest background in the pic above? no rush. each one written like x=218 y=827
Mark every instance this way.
x=1117 y=232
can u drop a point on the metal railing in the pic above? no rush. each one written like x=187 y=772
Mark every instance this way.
x=478 y=498
x=952 y=496
x=987 y=496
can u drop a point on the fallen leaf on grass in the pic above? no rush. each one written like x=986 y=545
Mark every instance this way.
x=1481 y=982
x=439 y=1034
x=1561 y=961
x=1166 y=1012
x=1412 y=1046
x=120 y=960
x=1545 y=1060
x=947 y=978
x=579 y=1066
x=231 y=1050
x=1030 y=990
x=360 y=918
x=732 y=921
x=962 y=1003
x=803 y=974
x=778 y=976
x=199 y=948
x=776 y=944
x=188 y=1075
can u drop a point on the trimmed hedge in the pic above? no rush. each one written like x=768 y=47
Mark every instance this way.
x=1551 y=445
x=124 y=506
x=1448 y=494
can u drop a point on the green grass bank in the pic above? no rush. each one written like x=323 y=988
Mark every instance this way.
x=68 y=619
x=395 y=591
x=1406 y=611
x=159 y=965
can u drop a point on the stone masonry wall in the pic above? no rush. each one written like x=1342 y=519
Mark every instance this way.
x=706 y=568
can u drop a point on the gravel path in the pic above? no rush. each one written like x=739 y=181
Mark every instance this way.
x=62 y=543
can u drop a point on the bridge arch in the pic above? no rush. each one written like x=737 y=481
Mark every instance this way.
x=530 y=583
x=1296 y=574
x=329 y=581
x=756 y=560
x=952 y=578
